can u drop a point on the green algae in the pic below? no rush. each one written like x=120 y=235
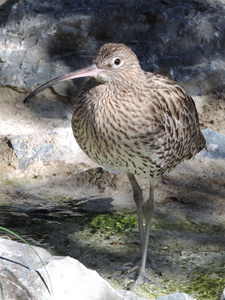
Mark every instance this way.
x=111 y=224
x=118 y=222
x=202 y=286
x=207 y=285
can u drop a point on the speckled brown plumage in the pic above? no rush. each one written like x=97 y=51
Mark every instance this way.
x=133 y=121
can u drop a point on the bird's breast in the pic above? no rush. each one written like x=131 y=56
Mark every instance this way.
x=134 y=130
x=108 y=128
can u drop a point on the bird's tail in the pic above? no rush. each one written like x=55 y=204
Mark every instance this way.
x=202 y=142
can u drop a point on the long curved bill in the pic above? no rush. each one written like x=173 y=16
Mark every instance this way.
x=90 y=71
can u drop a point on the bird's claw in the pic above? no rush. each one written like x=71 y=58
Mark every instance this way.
x=150 y=263
x=141 y=278
x=137 y=278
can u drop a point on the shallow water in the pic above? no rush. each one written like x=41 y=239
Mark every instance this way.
x=38 y=225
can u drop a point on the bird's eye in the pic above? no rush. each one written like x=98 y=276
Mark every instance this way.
x=117 y=61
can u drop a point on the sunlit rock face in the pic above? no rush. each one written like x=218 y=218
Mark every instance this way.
x=182 y=39
x=34 y=274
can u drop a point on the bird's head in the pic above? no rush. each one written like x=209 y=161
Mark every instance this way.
x=113 y=63
x=116 y=63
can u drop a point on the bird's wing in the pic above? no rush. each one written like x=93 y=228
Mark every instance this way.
x=175 y=118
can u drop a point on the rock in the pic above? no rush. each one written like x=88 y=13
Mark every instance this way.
x=54 y=145
x=215 y=142
x=176 y=296
x=23 y=276
x=7 y=153
x=184 y=40
x=223 y=295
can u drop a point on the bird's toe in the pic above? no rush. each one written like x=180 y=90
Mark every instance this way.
x=136 y=277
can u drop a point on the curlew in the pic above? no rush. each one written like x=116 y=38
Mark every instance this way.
x=133 y=121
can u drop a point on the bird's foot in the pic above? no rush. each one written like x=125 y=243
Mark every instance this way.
x=135 y=278
x=148 y=276
x=150 y=263
x=145 y=277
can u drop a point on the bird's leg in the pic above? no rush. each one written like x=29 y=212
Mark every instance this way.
x=138 y=199
x=144 y=235
x=149 y=211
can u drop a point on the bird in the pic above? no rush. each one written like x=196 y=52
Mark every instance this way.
x=133 y=121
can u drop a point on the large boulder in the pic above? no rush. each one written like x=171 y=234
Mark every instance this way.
x=32 y=273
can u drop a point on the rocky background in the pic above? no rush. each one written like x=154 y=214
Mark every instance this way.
x=41 y=164
x=183 y=39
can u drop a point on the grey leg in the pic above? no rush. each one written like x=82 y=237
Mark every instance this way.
x=144 y=234
x=149 y=210
x=138 y=199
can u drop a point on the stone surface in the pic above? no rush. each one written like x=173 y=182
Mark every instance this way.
x=176 y=296
x=54 y=145
x=223 y=295
x=24 y=277
x=215 y=145
x=183 y=39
